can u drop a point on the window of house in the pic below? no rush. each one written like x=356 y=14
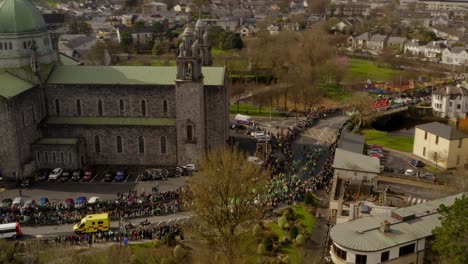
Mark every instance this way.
x=11 y=46
x=57 y=107
x=62 y=157
x=406 y=250
x=122 y=108
x=460 y=142
x=38 y=156
x=141 y=145
x=118 y=142
x=458 y=106
x=451 y=103
x=1 y=46
x=100 y=109
x=70 y=158
x=143 y=107
x=437 y=140
x=54 y=156
x=339 y=252
x=361 y=259
x=165 y=108
x=78 y=107
x=189 y=132
x=97 y=144
x=425 y=135
x=46 y=156
x=385 y=256
x=424 y=151
x=163 y=145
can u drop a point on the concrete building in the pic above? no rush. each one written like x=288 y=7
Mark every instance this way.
x=451 y=101
x=72 y=116
x=404 y=237
x=440 y=145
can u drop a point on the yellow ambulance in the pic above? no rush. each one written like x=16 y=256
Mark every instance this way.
x=93 y=223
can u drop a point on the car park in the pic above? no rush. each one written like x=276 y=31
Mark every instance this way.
x=121 y=175
x=55 y=174
x=6 y=203
x=81 y=202
x=43 y=201
x=416 y=163
x=109 y=176
x=69 y=203
x=77 y=175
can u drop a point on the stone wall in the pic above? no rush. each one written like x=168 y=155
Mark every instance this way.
x=58 y=156
x=132 y=96
x=130 y=150
x=217 y=116
x=9 y=161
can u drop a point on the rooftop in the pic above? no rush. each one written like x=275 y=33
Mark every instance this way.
x=109 y=121
x=352 y=142
x=347 y=160
x=128 y=75
x=364 y=234
x=442 y=130
x=57 y=141
x=11 y=85
x=20 y=16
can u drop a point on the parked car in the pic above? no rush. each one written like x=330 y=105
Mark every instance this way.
x=145 y=177
x=30 y=203
x=89 y=174
x=66 y=176
x=410 y=172
x=190 y=167
x=255 y=134
x=416 y=163
x=108 y=177
x=6 y=203
x=43 y=175
x=255 y=160
x=121 y=175
x=262 y=138
x=69 y=203
x=94 y=200
x=428 y=175
x=43 y=201
x=81 y=202
x=27 y=183
x=237 y=126
x=77 y=175
x=17 y=203
x=55 y=174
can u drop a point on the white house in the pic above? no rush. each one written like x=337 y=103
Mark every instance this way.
x=401 y=238
x=413 y=47
x=451 y=101
x=440 y=145
x=182 y=8
x=456 y=55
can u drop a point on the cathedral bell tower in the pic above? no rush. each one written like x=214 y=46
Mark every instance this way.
x=190 y=100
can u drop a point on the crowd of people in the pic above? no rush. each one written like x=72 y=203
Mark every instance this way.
x=125 y=205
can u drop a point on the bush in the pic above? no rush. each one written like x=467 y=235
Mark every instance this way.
x=289 y=214
x=311 y=200
x=269 y=241
x=300 y=240
x=286 y=260
x=282 y=221
x=285 y=240
x=257 y=230
x=260 y=249
x=179 y=252
x=171 y=239
x=294 y=231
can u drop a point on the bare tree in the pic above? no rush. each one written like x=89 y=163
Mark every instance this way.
x=437 y=157
x=225 y=194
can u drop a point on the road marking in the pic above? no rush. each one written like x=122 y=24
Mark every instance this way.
x=138 y=178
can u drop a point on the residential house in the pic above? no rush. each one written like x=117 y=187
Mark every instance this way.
x=377 y=43
x=182 y=8
x=140 y=36
x=413 y=47
x=451 y=101
x=341 y=26
x=447 y=33
x=440 y=21
x=228 y=24
x=417 y=18
x=76 y=45
x=248 y=31
x=457 y=55
x=434 y=49
x=403 y=237
x=440 y=145
x=354 y=173
x=361 y=41
x=153 y=8
x=397 y=43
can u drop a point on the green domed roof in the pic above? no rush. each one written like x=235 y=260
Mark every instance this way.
x=20 y=16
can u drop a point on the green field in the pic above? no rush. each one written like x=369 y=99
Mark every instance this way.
x=382 y=138
x=362 y=70
x=253 y=110
x=334 y=91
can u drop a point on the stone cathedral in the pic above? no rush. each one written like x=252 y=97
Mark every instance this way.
x=68 y=116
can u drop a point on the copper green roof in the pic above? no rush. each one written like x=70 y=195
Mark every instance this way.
x=128 y=75
x=57 y=141
x=20 y=16
x=109 y=121
x=11 y=86
x=69 y=61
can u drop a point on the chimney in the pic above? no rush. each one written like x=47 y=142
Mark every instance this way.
x=385 y=226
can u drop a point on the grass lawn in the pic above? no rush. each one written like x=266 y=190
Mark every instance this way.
x=163 y=63
x=249 y=109
x=307 y=219
x=382 y=138
x=434 y=169
x=334 y=91
x=248 y=247
x=365 y=69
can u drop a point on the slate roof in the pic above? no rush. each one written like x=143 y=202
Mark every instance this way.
x=364 y=234
x=109 y=121
x=11 y=86
x=352 y=142
x=364 y=36
x=453 y=90
x=378 y=38
x=348 y=160
x=442 y=130
x=396 y=40
x=128 y=75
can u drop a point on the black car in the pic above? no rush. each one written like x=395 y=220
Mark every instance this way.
x=66 y=176
x=145 y=177
x=237 y=126
x=26 y=183
x=6 y=203
x=416 y=163
x=43 y=175
x=108 y=177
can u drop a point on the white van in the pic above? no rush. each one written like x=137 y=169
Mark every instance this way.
x=10 y=230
